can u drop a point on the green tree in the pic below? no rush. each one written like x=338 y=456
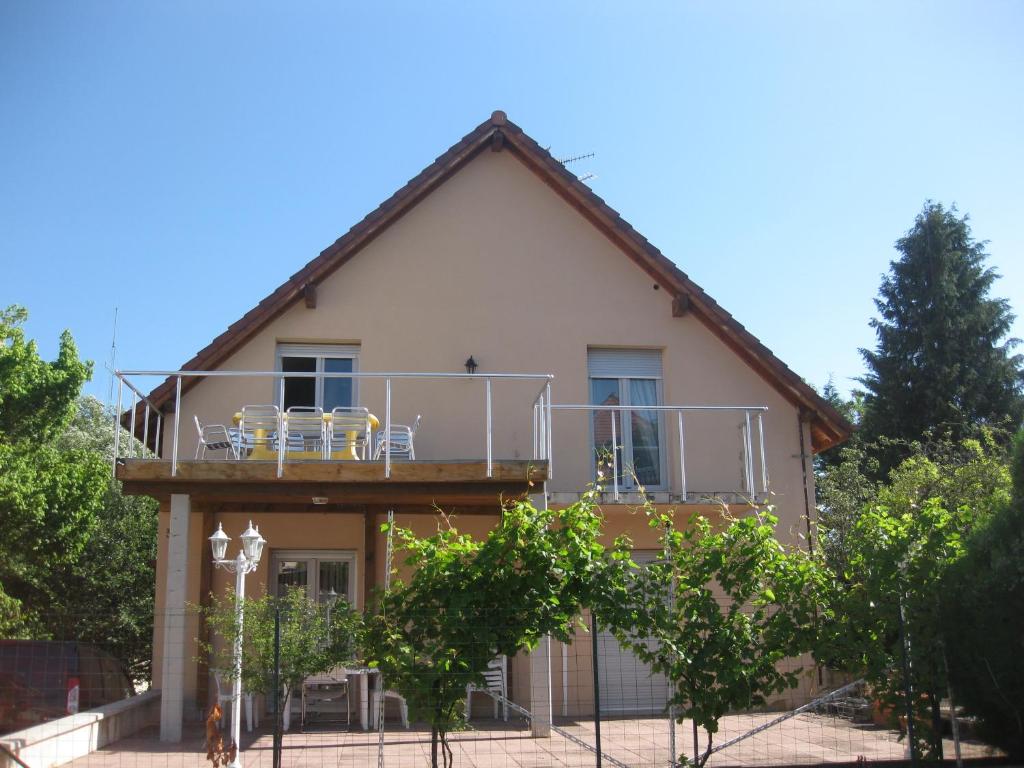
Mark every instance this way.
x=310 y=644
x=942 y=364
x=106 y=596
x=852 y=409
x=469 y=601
x=896 y=557
x=983 y=614
x=717 y=615
x=49 y=494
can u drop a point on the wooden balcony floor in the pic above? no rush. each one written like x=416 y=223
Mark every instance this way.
x=463 y=482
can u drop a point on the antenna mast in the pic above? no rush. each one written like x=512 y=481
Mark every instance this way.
x=113 y=360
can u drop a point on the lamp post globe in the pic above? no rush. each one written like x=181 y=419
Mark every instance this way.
x=251 y=547
x=259 y=545
x=219 y=544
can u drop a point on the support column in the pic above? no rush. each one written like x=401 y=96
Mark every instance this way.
x=540 y=689
x=540 y=664
x=172 y=690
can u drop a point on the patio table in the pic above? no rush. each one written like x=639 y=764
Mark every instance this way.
x=263 y=452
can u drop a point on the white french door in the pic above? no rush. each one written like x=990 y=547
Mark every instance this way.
x=324 y=575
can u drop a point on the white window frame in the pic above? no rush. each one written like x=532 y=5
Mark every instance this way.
x=319 y=352
x=625 y=436
x=313 y=558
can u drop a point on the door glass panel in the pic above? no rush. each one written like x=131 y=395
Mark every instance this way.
x=337 y=392
x=292 y=573
x=299 y=391
x=644 y=432
x=333 y=580
x=606 y=392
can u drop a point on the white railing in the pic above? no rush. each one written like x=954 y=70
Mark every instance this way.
x=541 y=446
x=751 y=422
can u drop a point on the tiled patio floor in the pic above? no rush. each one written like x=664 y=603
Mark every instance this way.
x=805 y=739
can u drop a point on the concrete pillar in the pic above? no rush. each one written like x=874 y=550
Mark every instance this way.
x=540 y=663
x=175 y=643
x=540 y=689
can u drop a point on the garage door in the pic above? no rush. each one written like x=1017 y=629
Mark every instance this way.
x=627 y=684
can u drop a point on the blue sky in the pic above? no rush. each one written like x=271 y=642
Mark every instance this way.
x=774 y=151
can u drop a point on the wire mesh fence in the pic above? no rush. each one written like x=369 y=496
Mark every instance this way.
x=588 y=702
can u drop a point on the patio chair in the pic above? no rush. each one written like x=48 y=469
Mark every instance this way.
x=224 y=697
x=303 y=428
x=349 y=428
x=496 y=686
x=215 y=437
x=321 y=692
x=401 y=438
x=388 y=694
x=259 y=427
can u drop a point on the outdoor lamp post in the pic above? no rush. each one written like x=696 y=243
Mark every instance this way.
x=246 y=562
x=329 y=598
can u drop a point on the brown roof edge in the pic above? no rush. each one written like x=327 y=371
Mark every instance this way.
x=828 y=427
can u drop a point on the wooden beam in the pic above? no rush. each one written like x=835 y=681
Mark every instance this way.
x=300 y=495
x=497 y=141
x=680 y=305
x=452 y=509
x=309 y=294
x=205 y=586
x=245 y=472
x=369 y=553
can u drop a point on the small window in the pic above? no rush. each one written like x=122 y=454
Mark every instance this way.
x=314 y=390
x=628 y=379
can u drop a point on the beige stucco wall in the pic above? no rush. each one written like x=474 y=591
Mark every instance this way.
x=496 y=265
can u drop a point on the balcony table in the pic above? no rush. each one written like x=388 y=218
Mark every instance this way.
x=263 y=452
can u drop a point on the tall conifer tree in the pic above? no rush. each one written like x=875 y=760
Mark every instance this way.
x=943 y=365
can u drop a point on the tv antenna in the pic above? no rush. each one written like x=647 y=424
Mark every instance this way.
x=113 y=360
x=575 y=158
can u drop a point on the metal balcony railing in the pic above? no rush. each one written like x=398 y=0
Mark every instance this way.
x=541 y=406
x=750 y=425
x=747 y=419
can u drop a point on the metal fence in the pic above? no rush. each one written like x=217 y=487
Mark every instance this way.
x=587 y=703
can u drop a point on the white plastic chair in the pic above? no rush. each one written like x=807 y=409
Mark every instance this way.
x=402 y=440
x=343 y=423
x=224 y=700
x=375 y=707
x=265 y=418
x=215 y=437
x=496 y=686
x=303 y=428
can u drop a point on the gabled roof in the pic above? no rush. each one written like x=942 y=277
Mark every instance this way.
x=498 y=133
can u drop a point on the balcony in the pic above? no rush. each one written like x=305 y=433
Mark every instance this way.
x=247 y=434
x=479 y=436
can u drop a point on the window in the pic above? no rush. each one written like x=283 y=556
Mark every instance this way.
x=324 y=574
x=317 y=391
x=628 y=377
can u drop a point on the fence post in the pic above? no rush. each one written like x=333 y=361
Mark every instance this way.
x=682 y=462
x=547 y=398
x=278 y=704
x=615 y=456
x=597 y=688
x=117 y=425
x=490 y=455
x=387 y=429
x=954 y=722
x=177 y=424
x=907 y=686
x=135 y=407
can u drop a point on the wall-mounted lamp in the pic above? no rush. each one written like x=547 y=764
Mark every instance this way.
x=470 y=365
